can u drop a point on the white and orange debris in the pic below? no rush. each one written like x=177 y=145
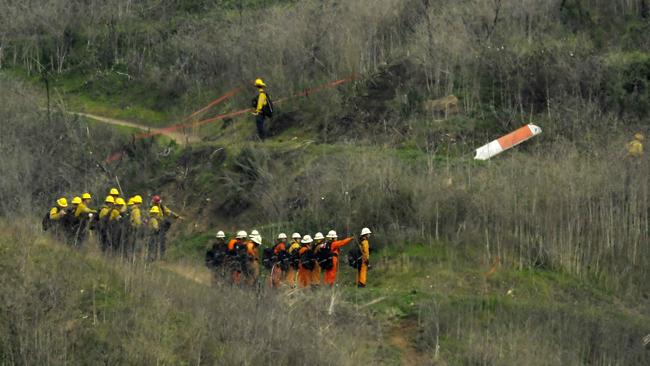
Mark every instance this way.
x=506 y=142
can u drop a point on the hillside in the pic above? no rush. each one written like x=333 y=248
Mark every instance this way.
x=538 y=256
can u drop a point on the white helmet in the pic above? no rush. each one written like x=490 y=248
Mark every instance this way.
x=332 y=234
x=365 y=231
x=241 y=234
x=256 y=239
x=307 y=239
x=295 y=236
x=221 y=234
x=319 y=236
x=282 y=236
x=255 y=232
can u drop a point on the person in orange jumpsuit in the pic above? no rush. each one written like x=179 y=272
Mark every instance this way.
x=233 y=260
x=294 y=247
x=334 y=247
x=304 y=273
x=277 y=273
x=319 y=240
x=364 y=246
x=253 y=264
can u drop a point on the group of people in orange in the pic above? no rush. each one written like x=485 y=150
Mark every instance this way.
x=305 y=262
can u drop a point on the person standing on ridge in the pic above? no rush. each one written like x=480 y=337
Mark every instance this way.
x=319 y=240
x=330 y=252
x=307 y=262
x=280 y=265
x=364 y=247
x=263 y=108
x=294 y=247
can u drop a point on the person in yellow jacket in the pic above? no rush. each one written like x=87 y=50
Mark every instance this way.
x=263 y=108
x=154 y=225
x=82 y=206
x=58 y=212
x=635 y=147
x=104 y=215
x=292 y=271
x=364 y=247
x=114 y=192
x=136 y=213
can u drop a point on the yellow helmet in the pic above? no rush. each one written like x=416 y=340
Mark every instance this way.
x=109 y=199
x=260 y=83
x=130 y=201
x=76 y=200
x=86 y=196
x=62 y=202
x=114 y=192
x=638 y=136
x=154 y=210
x=137 y=199
x=120 y=201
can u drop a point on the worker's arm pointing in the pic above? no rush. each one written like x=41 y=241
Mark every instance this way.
x=340 y=243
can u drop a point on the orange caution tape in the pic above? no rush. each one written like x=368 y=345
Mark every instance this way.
x=215 y=102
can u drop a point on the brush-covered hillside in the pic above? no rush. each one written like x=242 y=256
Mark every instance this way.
x=538 y=256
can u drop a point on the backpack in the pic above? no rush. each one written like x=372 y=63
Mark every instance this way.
x=354 y=258
x=325 y=257
x=267 y=110
x=282 y=260
x=308 y=260
x=47 y=222
x=268 y=259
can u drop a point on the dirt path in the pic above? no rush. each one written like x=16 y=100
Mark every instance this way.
x=178 y=137
x=401 y=337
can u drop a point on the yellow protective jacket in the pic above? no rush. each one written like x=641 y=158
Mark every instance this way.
x=261 y=101
x=154 y=224
x=115 y=215
x=82 y=209
x=104 y=211
x=635 y=148
x=166 y=211
x=56 y=213
x=364 y=246
x=136 y=217
x=294 y=246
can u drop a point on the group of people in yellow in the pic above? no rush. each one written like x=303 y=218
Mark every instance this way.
x=119 y=224
x=305 y=262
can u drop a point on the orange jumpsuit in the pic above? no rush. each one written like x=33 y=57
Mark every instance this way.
x=253 y=262
x=291 y=272
x=365 y=257
x=330 y=274
x=232 y=262
x=315 y=273
x=304 y=275
x=276 y=270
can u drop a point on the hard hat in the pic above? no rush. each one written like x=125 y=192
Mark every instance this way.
x=154 y=210
x=221 y=234
x=319 y=236
x=260 y=83
x=120 y=201
x=307 y=239
x=76 y=200
x=332 y=234
x=130 y=202
x=282 y=236
x=255 y=232
x=256 y=239
x=155 y=199
x=241 y=234
x=86 y=196
x=295 y=236
x=137 y=199
x=62 y=202
x=114 y=192
x=365 y=231
x=639 y=136
x=109 y=199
